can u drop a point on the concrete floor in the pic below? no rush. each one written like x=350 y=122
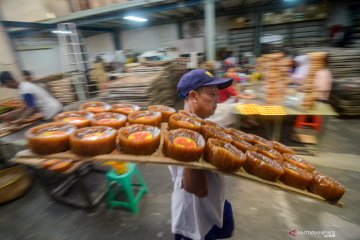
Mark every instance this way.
x=260 y=212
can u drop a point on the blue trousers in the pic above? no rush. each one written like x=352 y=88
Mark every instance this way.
x=218 y=233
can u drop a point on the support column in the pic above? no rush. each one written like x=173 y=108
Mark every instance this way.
x=210 y=29
x=116 y=39
x=258 y=30
x=179 y=27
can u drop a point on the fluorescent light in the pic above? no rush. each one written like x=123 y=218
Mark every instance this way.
x=61 y=32
x=136 y=19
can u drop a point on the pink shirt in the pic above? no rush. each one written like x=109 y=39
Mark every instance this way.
x=323 y=82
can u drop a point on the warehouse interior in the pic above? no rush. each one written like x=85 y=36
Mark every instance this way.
x=295 y=70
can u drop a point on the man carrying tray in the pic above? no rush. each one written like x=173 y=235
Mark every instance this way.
x=198 y=206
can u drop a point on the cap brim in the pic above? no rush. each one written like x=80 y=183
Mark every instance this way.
x=221 y=83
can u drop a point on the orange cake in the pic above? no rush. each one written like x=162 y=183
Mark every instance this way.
x=138 y=139
x=295 y=176
x=299 y=161
x=124 y=108
x=269 y=152
x=223 y=155
x=246 y=137
x=166 y=111
x=262 y=166
x=91 y=141
x=181 y=121
x=242 y=144
x=261 y=141
x=326 y=187
x=95 y=107
x=50 y=137
x=48 y=163
x=61 y=166
x=78 y=118
x=192 y=115
x=281 y=148
x=109 y=119
x=214 y=132
x=145 y=117
x=183 y=145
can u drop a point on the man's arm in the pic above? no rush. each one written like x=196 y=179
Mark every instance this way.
x=194 y=181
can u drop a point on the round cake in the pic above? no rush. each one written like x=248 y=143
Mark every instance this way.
x=183 y=145
x=299 y=161
x=295 y=177
x=326 y=187
x=109 y=119
x=78 y=118
x=181 y=121
x=242 y=144
x=138 y=139
x=61 y=166
x=282 y=148
x=223 y=155
x=246 y=137
x=91 y=141
x=166 y=111
x=192 y=115
x=124 y=108
x=145 y=117
x=49 y=138
x=48 y=163
x=211 y=123
x=270 y=152
x=261 y=141
x=262 y=166
x=95 y=107
x=214 y=132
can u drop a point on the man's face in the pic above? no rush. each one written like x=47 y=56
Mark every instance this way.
x=205 y=101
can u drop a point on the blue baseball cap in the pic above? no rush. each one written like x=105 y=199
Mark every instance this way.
x=198 y=78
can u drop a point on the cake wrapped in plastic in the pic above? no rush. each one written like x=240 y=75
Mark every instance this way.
x=145 y=117
x=282 y=148
x=91 y=141
x=109 y=119
x=166 y=111
x=61 y=166
x=181 y=121
x=242 y=144
x=261 y=141
x=49 y=138
x=223 y=155
x=270 y=152
x=211 y=123
x=183 y=145
x=95 y=107
x=192 y=115
x=78 y=118
x=262 y=166
x=214 y=132
x=246 y=137
x=138 y=139
x=299 y=161
x=295 y=177
x=326 y=187
x=124 y=108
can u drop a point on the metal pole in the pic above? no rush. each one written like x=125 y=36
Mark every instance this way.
x=210 y=29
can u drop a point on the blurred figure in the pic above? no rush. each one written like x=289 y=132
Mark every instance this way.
x=99 y=73
x=27 y=76
x=301 y=69
x=323 y=82
x=36 y=98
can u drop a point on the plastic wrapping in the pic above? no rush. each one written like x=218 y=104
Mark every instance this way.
x=326 y=187
x=242 y=144
x=262 y=166
x=166 y=111
x=192 y=115
x=109 y=119
x=91 y=141
x=49 y=138
x=124 y=108
x=78 y=118
x=145 y=117
x=95 y=107
x=181 y=121
x=183 y=145
x=61 y=166
x=296 y=177
x=223 y=155
x=282 y=148
x=261 y=141
x=214 y=132
x=270 y=152
x=246 y=137
x=138 y=139
x=299 y=161
x=211 y=123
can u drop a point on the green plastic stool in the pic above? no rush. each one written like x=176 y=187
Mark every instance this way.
x=124 y=184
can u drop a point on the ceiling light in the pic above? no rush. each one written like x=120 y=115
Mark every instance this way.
x=61 y=32
x=136 y=19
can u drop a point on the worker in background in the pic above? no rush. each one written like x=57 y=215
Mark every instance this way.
x=323 y=82
x=36 y=98
x=27 y=76
x=301 y=69
x=198 y=206
x=99 y=73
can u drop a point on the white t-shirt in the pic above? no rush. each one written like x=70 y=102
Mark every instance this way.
x=191 y=216
x=48 y=105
